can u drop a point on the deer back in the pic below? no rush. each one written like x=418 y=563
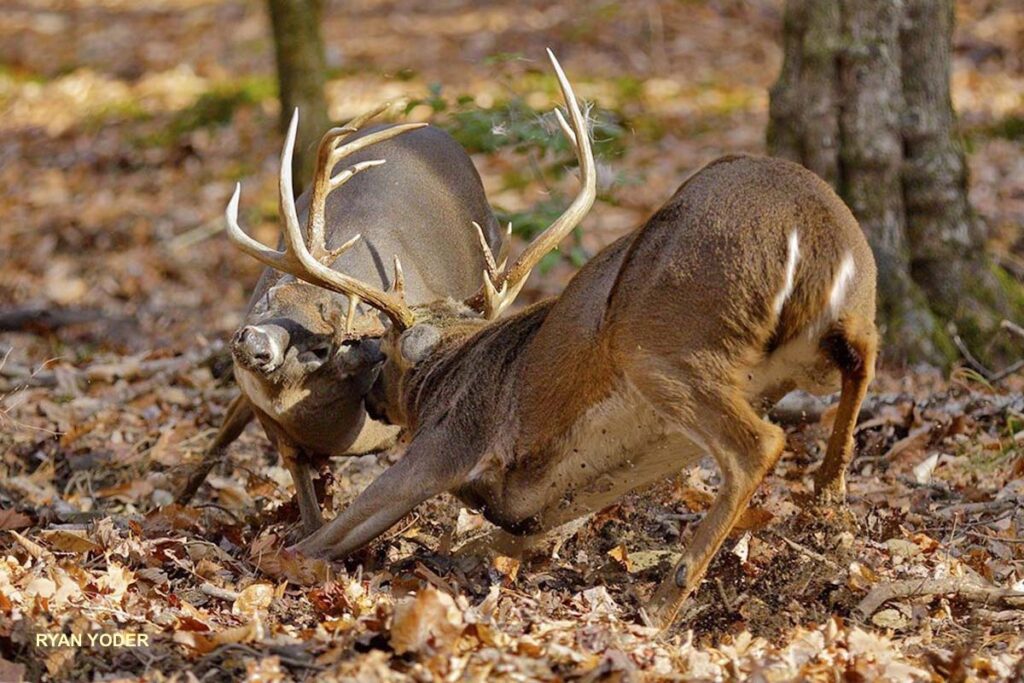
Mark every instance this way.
x=420 y=206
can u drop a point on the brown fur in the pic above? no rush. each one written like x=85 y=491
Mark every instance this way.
x=670 y=335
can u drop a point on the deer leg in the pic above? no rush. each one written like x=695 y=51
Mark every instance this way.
x=745 y=448
x=432 y=464
x=856 y=361
x=298 y=466
x=239 y=415
x=305 y=489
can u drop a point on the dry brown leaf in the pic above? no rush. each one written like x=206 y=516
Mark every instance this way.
x=753 y=519
x=428 y=621
x=507 y=566
x=620 y=555
x=695 y=499
x=11 y=672
x=12 y=519
x=254 y=598
x=67 y=541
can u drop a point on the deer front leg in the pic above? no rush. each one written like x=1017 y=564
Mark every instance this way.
x=855 y=357
x=433 y=463
x=305 y=489
x=239 y=415
x=298 y=466
x=745 y=448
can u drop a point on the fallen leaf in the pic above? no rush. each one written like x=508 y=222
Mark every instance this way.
x=923 y=471
x=507 y=566
x=11 y=672
x=70 y=541
x=619 y=554
x=753 y=519
x=428 y=621
x=255 y=598
x=12 y=519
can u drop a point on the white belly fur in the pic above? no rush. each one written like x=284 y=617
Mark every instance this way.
x=276 y=406
x=619 y=444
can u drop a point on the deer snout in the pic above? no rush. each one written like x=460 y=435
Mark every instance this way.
x=260 y=347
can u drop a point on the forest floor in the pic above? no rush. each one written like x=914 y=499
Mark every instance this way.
x=125 y=126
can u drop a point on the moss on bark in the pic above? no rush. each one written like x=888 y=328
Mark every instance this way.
x=877 y=73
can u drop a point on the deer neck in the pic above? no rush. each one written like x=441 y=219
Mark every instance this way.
x=474 y=371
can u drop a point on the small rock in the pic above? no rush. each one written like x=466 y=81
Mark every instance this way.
x=901 y=548
x=891 y=617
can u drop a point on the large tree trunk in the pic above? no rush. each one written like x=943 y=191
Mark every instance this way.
x=864 y=101
x=301 y=72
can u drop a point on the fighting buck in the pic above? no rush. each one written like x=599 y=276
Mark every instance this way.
x=754 y=279
x=304 y=357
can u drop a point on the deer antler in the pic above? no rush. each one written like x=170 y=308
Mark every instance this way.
x=312 y=263
x=501 y=286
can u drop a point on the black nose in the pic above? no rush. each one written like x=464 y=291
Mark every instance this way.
x=260 y=347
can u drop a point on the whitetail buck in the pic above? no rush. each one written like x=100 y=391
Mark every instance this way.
x=303 y=358
x=754 y=279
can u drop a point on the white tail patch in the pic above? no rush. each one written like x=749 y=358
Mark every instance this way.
x=840 y=285
x=792 y=256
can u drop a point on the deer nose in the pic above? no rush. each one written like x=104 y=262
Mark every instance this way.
x=261 y=347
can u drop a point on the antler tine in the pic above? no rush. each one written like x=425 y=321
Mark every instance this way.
x=329 y=153
x=499 y=293
x=296 y=258
x=491 y=267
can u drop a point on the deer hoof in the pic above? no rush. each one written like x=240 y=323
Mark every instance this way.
x=681 y=576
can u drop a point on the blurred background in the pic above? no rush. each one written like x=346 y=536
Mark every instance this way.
x=125 y=124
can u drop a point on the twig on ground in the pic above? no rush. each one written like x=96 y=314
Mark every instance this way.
x=219 y=593
x=960 y=587
x=997 y=505
x=803 y=550
x=1013 y=328
x=48 y=320
x=131 y=369
x=971 y=360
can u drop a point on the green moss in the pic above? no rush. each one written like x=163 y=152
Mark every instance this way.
x=628 y=88
x=1011 y=127
x=218 y=106
x=20 y=74
x=991 y=296
x=127 y=110
x=213 y=108
x=1013 y=289
x=531 y=222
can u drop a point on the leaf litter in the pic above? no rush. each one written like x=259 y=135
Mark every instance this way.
x=119 y=150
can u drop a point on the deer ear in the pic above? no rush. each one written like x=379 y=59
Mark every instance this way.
x=417 y=342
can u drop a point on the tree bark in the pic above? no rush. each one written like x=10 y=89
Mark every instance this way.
x=301 y=73
x=947 y=239
x=804 y=124
x=863 y=99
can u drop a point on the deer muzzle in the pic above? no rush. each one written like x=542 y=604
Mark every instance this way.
x=260 y=347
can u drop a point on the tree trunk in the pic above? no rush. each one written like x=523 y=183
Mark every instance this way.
x=301 y=72
x=863 y=100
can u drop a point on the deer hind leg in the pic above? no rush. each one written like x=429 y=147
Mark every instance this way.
x=239 y=415
x=745 y=448
x=854 y=354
